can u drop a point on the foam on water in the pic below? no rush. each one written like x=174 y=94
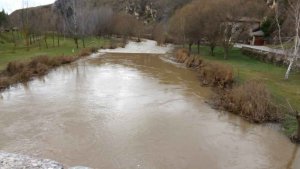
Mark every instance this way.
x=146 y=46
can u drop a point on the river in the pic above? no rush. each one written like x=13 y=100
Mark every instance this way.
x=133 y=111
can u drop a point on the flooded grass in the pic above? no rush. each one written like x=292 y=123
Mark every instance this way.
x=21 y=72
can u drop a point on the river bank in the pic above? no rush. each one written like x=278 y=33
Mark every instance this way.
x=22 y=72
x=251 y=100
x=36 y=64
x=66 y=47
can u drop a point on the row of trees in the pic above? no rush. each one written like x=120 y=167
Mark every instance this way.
x=215 y=22
x=76 y=19
x=81 y=21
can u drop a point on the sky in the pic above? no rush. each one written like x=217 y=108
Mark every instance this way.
x=11 y=5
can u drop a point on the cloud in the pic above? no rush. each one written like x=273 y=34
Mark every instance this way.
x=11 y=5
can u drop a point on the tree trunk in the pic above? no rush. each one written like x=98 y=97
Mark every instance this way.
x=212 y=50
x=27 y=41
x=39 y=40
x=13 y=38
x=76 y=42
x=83 y=43
x=58 y=40
x=53 y=38
x=46 y=43
x=226 y=51
x=287 y=74
x=298 y=120
x=190 y=47
x=198 y=45
x=30 y=39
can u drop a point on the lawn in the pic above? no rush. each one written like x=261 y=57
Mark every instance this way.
x=247 y=68
x=67 y=47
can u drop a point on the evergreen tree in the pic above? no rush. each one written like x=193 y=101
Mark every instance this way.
x=3 y=18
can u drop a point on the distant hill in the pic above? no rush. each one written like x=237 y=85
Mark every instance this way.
x=42 y=17
x=147 y=10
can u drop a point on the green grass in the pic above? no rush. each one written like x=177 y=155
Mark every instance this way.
x=247 y=68
x=67 y=47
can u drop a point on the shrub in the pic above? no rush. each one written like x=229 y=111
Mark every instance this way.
x=4 y=82
x=85 y=52
x=23 y=76
x=216 y=74
x=193 y=61
x=182 y=55
x=41 y=69
x=253 y=102
x=22 y=72
x=66 y=59
x=14 y=67
x=211 y=73
x=93 y=49
x=39 y=59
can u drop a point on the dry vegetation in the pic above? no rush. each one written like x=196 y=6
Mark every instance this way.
x=211 y=73
x=252 y=100
x=21 y=72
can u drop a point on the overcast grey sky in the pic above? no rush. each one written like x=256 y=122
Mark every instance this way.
x=11 y=5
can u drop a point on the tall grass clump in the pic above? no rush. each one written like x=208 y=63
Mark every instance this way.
x=211 y=73
x=20 y=72
x=216 y=74
x=253 y=102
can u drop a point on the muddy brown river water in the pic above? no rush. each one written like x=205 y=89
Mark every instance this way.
x=132 y=111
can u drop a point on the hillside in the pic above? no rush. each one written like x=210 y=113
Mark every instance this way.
x=44 y=16
x=146 y=10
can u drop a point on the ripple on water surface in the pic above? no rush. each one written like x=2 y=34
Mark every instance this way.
x=133 y=111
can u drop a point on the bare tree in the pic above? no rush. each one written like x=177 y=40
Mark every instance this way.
x=102 y=17
x=123 y=25
x=211 y=28
x=68 y=10
x=292 y=23
x=96 y=21
x=187 y=24
x=25 y=21
x=159 y=33
x=231 y=12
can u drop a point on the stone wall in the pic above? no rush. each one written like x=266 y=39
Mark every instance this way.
x=268 y=57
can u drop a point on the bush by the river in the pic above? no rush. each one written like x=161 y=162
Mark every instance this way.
x=251 y=100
